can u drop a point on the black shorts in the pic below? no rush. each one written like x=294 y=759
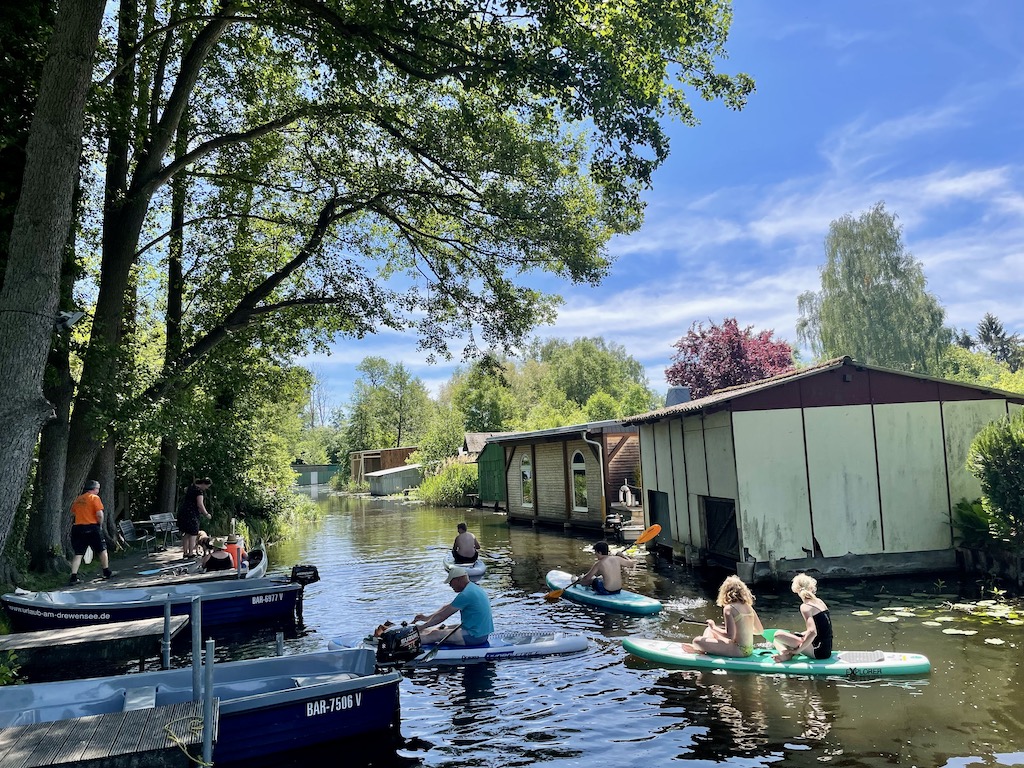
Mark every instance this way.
x=85 y=536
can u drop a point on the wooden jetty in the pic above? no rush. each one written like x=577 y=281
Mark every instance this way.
x=151 y=736
x=58 y=649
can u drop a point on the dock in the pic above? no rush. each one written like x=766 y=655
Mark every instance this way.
x=51 y=651
x=153 y=736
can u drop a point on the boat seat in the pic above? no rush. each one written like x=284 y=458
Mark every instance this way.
x=861 y=657
x=143 y=697
x=304 y=680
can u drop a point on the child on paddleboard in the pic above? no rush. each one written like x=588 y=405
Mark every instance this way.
x=816 y=640
x=735 y=636
x=605 y=576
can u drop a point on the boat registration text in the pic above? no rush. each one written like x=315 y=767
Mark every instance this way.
x=333 y=704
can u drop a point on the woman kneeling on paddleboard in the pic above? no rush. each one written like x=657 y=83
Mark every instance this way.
x=816 y=641
x=735 y=637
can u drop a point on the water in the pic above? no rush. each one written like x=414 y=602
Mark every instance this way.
x=382 y=560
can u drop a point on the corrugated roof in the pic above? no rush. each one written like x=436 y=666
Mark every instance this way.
x=475 y=441
x=393 y=470
x=742 y=390
x=611 y=425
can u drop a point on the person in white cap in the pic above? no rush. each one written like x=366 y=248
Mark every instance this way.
x=473 y=607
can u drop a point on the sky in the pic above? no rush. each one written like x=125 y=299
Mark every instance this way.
x=918 y=104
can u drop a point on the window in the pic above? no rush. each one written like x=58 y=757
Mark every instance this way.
x=579 y=482
x=526 y=472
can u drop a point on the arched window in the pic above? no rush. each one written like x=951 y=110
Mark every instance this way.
x=579 y=482
x=526 y=474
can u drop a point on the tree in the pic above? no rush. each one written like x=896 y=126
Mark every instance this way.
x=873 y=304
x=484 y=399
x=585 y=366
x=995 y=458
x=1005 y=348
x=441 y=442
x=715 y=357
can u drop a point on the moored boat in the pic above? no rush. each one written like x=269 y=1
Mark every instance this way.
x=223 y=602
x=474 y=570
x=625 y=601
x=500 y=645
x=256 y=569
x=268 y=706
x=860 y=664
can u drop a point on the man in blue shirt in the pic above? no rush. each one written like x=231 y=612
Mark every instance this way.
x=471 y=603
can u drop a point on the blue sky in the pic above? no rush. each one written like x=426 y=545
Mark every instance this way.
x=917 y=103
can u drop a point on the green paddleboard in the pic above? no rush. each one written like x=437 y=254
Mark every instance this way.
x=843 y=663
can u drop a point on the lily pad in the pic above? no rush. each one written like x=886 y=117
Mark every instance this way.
x=986 y=602
x=906 y=614
x=945 y=618
x=887 y=619
x=1015 y=622
x=994 y=641
x=931 y=623
x=952 y=631
x=862 y=613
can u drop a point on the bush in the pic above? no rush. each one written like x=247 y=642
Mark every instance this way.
x=9 y=669
x=996 y=458
x=972 y=525
x=450 y=486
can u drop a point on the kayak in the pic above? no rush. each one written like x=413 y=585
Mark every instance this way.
x=500 y=645
x=474 y=570
x=625 y=601
x=842 y=663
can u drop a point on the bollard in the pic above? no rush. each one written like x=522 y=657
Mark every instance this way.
x=196 y=618
x=208 y=706
x=165 y=642
x=280 y=643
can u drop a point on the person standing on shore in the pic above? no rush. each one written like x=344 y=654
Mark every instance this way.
x=87 y=530
x=193 y=505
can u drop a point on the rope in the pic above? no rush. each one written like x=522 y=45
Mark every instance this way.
x=195 y=727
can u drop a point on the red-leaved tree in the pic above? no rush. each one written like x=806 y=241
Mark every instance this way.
x=720 y=356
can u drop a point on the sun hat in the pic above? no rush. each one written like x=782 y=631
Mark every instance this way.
x=232 y=538
x=218 y=543
x=454 y=573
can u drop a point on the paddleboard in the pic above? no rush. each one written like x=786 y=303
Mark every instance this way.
x=474 y=570
x=861 y=664
x=500 y=645
x=625 y=601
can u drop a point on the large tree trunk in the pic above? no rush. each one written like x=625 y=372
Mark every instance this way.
x=103 y=470
x=28 y=301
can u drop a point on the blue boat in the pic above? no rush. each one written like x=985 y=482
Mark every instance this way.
x=268 y=706
x=223 y=602
x=625 y=601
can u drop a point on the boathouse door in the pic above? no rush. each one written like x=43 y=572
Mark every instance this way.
x=723 y=544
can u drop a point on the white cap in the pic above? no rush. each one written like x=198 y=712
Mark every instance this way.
x=453 y=573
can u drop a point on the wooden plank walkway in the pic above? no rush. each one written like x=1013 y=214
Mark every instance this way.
x=153 y=737
x=103 y=642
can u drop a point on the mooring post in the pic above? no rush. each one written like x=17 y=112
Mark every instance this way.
x=165 y=642
x=195 y=616
x=208 y=706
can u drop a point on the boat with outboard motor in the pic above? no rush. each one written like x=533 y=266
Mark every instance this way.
x=401 y=646
x=222 y=602
x=268 y=706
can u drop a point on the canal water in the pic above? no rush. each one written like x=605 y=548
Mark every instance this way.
x=381 y=559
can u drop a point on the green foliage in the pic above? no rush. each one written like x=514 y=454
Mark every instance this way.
x=442 y=441
x=9 y=668
x=976 y=367
x=972 y=524
x=996 y=458
x=485 y=399
x=873 y=304
x=389 y=407
x=450 y=486
x=601 y=407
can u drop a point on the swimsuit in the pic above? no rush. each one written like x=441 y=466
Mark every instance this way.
x=598 y=586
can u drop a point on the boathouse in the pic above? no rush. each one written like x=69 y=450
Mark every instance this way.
x=364 y=462
x=842 y=468
x=567 y=475
x=490 y=463
x=387 y=482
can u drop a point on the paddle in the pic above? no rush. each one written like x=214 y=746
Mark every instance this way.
x=643 y=538
x=433 y=651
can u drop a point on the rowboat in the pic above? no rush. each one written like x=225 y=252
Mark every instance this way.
x=500 y=645
x=474 y=570
x=223 y=602
x=859 y=664
x=625 y=601
x=268 y=707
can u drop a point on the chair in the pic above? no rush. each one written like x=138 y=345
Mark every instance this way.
x=133 y=537
x=166 y=525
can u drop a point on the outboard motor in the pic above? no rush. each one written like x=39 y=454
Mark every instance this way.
x=398 y=644
x=303 y=575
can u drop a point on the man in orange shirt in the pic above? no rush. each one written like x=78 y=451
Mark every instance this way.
x=87 y=530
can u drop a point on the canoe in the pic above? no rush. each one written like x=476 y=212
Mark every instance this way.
x=625 y=601
x=223 y=602
x=474 y=570
x=268 y=707
x=861 y=664
x=500 y=645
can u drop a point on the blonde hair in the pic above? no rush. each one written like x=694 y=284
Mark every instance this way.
x=733 y=590
x=805 y=586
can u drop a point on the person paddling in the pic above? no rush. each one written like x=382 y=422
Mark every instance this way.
x=465 y=549
x=605 y=576
x=816 y=640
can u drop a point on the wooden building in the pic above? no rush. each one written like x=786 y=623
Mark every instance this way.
x=364 y=462
x=387 y=482
x=490 y=463
x=839 y=468
x=568 y=475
